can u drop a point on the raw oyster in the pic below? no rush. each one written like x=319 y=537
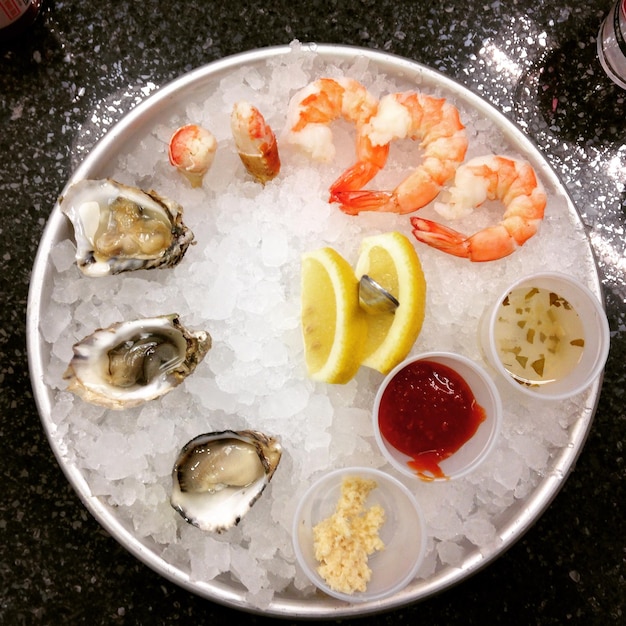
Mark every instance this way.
x=219 y=476
x=120 y=228
x=131 y=362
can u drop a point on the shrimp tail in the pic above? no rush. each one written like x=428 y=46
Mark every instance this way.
x=440 y=237
x=354 y=178
x=353 y=202
x=488 y=244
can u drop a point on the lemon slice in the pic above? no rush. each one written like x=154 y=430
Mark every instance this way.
x=390 y=259
x=333 y=324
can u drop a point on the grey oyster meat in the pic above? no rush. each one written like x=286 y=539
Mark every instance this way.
x=218 y=476
x=131 y=362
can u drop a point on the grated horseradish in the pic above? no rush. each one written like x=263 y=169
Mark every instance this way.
x=344 y=541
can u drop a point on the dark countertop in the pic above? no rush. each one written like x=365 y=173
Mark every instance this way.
x=535 y=61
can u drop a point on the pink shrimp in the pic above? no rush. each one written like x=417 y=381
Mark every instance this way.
x=413 y=115
x=192 y=150
x=511 y=181
x=311 y=111
x=255 y=141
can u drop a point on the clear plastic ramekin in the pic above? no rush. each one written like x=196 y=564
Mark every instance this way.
x=473 y=452
x=403 y=532
x=595 y=328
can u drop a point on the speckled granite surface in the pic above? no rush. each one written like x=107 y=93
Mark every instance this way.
x=85 y=61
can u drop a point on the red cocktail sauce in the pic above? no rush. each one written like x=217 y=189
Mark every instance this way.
x=428 y=412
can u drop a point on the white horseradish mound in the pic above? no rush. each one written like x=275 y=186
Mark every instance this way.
x=241 y=283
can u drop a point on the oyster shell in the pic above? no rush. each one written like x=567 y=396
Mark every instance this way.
x=130 y=362
x=120 y=228
x=219 y=476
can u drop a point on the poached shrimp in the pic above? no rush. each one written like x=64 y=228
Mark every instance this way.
x=255 y=142
x=511 y=181
x=310 y=113
x=433 y=121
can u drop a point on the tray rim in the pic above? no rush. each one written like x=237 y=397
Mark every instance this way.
x=217 y=591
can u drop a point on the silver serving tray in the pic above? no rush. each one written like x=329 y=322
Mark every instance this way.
x=118 y=139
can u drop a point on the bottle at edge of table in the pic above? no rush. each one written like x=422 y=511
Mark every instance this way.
x=16 y=17
x=612 y=44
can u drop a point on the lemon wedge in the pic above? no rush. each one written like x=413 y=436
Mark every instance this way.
x=333 y=324
x=391 y=260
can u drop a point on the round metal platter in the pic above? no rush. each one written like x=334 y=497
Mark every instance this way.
x=128 y=132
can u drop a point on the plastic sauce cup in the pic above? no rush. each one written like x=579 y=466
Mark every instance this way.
x=403 y=532
x=473 y=452
x=595 y=328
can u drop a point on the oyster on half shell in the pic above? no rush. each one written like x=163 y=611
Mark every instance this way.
x=120 y=228
x=131 y=362
x=219 y=476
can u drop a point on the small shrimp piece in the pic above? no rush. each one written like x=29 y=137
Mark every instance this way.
x=437 y=124
x=255 y=141
x=312 y=110
x=192 y=150
x=511 y=181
